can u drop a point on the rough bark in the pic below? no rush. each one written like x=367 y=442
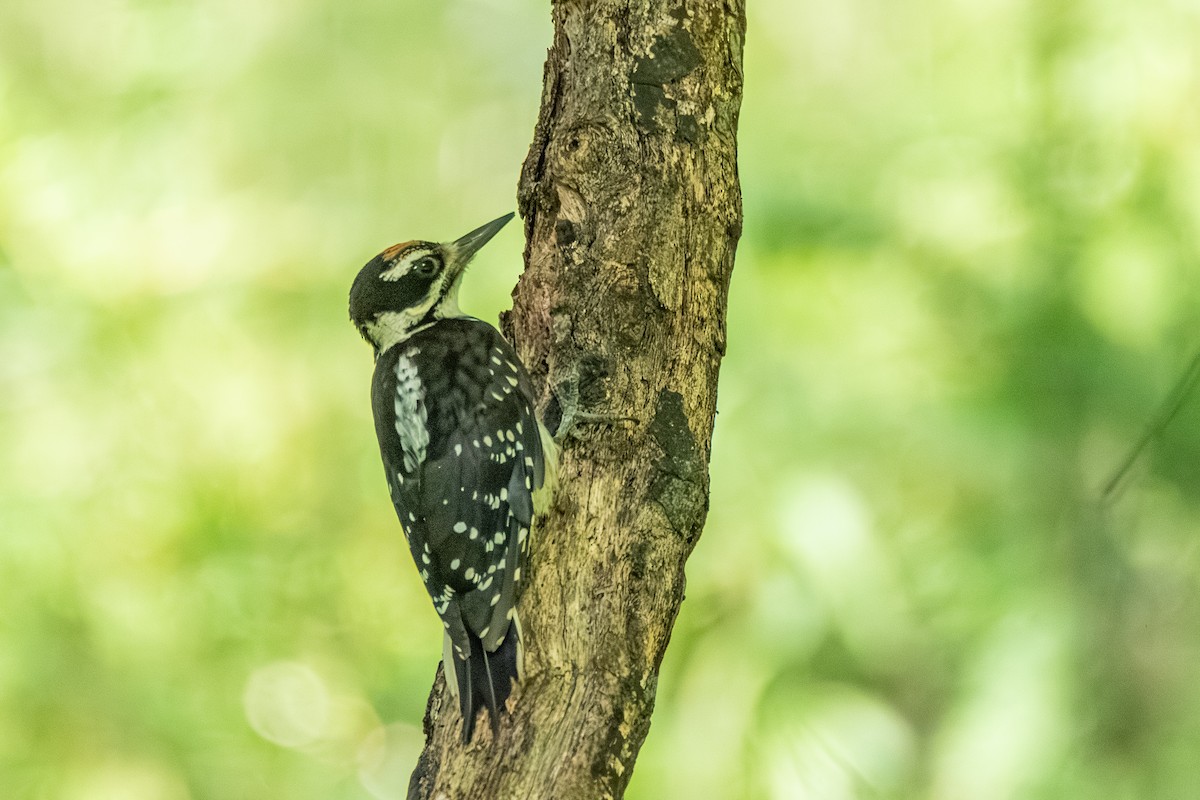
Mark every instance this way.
x=632 y=213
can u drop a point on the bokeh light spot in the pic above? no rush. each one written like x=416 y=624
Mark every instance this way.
x=287 y=703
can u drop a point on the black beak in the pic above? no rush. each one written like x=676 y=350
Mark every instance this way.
x=466 y=247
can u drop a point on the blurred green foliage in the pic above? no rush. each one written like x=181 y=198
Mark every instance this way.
x=968 y=278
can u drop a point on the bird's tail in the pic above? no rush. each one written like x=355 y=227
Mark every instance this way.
x=485 y=679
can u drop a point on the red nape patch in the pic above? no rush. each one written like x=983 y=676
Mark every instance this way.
x=396 y=250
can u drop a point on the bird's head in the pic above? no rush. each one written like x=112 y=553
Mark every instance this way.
x=412 y=284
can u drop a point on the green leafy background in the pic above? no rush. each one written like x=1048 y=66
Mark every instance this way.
x=967 y=282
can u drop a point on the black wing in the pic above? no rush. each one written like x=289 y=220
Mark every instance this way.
x=463 y=454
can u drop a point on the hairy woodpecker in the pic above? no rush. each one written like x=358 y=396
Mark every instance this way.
x=463 y=451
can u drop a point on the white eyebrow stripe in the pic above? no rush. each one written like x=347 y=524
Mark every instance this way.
x=402 y=264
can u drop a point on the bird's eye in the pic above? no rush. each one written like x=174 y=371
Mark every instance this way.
x=426 y=266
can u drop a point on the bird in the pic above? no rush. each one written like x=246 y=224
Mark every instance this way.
x=468 y=463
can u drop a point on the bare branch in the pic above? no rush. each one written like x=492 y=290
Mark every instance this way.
x=632 y=214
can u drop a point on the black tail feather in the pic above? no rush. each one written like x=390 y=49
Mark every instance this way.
x=462 y=673
x=488 y=690
x=485 y=680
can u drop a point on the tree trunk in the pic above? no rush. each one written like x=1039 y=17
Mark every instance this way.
x=632 y=213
